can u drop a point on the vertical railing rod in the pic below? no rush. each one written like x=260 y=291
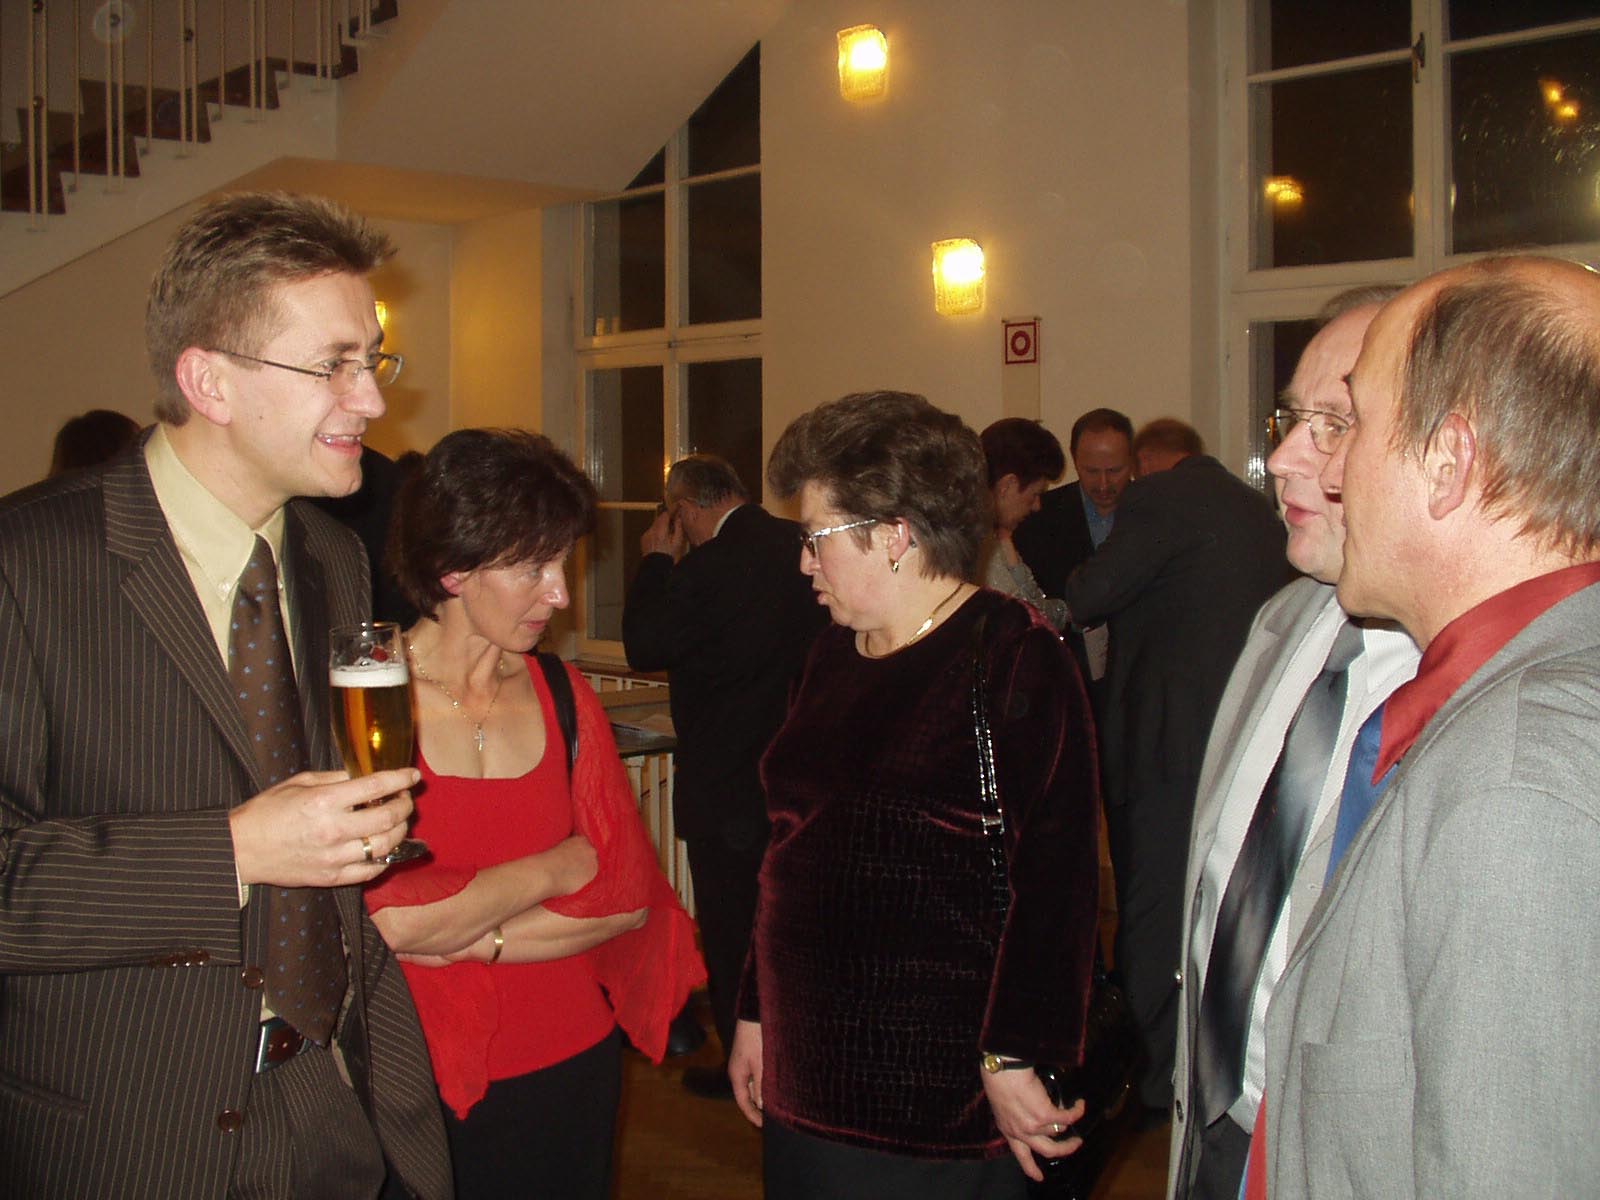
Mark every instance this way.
x=222 y=57
x=110 y=111
x=149 y=83
x=193 y=42
x=122 y=89
x=32 y=108
x=77 y=92
x=288 y=78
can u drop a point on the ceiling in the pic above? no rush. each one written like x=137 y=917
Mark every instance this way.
x=471 y=107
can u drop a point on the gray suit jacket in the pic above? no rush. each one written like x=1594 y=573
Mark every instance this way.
x=126 y=1023
x=1437 y=1030
x=1291 y=637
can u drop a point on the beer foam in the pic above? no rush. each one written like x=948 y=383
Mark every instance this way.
x=370 y=675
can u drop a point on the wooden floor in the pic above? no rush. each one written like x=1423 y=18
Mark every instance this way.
x=675 y=1146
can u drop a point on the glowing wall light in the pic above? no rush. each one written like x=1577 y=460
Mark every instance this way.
x=382 y=311
x=1285 y=191
x=958 y=276
x=863 y=63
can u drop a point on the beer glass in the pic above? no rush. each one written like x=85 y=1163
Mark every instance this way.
x=372 y=714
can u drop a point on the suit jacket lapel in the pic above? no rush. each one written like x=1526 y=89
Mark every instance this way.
x=159 y=590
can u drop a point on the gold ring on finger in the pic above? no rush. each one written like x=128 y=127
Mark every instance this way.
x=366 y=849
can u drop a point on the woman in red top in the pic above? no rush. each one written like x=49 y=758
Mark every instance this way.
x=541 y=919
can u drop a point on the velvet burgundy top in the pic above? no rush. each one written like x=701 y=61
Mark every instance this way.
x=880 y=967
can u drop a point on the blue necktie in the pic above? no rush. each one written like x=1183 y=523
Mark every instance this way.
x=1360 y=793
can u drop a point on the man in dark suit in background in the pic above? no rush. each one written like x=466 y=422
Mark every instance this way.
x=1194 y=553
x=160 y=846
x=720 y=603
x=1074 y=520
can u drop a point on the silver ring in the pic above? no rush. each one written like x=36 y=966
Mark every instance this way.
x=1056 y=1127
x=366 y=849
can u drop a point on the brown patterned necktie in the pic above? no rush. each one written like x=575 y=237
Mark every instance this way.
x=305 y=956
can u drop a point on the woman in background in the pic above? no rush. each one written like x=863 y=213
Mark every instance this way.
x=1024 y=458
x=97 y=436
x=541 y=919
x=890 y=997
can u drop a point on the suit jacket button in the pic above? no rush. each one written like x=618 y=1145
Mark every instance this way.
x=229 y=1120
x=252 y=977
x=1177 y=1110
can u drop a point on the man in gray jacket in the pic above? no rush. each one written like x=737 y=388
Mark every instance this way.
x=1436 y=1031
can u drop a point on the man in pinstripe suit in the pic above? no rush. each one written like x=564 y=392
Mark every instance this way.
x=141 y=846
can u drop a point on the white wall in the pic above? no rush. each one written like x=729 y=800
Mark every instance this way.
x=1055 y=134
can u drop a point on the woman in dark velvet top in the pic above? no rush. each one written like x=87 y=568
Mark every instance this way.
x=881 y=969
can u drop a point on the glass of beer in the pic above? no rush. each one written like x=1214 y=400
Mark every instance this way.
x=372 y=714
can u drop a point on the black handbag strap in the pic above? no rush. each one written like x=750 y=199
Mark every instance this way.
x=990 y=815
x=555 y=676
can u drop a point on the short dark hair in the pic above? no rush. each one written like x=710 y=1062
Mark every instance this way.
x=96 y=437
x=1522 y=363
x=485 y=498
x=1171 y=435
x=1100 y=420
x=1024 y=448
x=888 y=455
x=705 y=480
x=214 y=288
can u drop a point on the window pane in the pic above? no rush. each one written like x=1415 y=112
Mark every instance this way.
x=626 y=433
x=1331 y=168
x=1275 y=349
x=1525 y=158
x=725 y=250
x=726 y=130
x=723 y=407
x=613 y=562
x=627 y=266
x=1475 y=18
x=1291 y=33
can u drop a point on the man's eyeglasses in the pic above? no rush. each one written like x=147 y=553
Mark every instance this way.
x=810 y=540
x=1326 y=429
x=342 y=375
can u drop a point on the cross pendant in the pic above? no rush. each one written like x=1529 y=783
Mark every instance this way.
x=477 y=736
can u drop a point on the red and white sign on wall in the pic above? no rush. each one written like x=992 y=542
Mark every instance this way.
x=1021 y=340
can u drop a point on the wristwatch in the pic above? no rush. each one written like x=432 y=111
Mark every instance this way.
x=994 y=1063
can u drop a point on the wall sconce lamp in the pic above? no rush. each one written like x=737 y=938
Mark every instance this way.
x=958 y=276
x=863 y=63
x=382 y=311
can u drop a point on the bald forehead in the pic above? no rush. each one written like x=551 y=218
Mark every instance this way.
x=1319 y=381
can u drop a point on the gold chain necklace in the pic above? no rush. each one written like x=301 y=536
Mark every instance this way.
x=477 y=725
x=926 y=625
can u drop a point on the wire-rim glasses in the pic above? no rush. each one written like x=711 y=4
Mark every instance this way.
x=341 y=376
x=1326 y=428
x=810 y=540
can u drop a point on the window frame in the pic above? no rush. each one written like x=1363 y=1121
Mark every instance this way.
x=1269 y=294
x=673 y=347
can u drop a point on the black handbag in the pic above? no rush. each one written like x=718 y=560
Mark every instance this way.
x=1110 y=1038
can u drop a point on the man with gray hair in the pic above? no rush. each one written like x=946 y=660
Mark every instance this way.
x=720 y=604
x=1269 y=790
x=1436 y=1029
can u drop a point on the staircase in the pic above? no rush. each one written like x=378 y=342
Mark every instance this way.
x=106 y=156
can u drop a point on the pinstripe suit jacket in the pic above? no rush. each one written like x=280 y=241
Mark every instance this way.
x=126 y=1023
